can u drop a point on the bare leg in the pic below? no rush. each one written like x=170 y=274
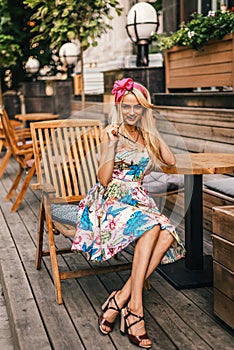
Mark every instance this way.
x=164 y=241
x=158 y=242
x=147 y=256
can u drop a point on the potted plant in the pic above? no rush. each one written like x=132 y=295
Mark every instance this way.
x=200 y=53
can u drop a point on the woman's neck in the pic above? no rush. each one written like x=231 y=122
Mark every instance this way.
x=130 y=128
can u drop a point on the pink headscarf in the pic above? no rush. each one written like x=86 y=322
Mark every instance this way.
x=123 y=85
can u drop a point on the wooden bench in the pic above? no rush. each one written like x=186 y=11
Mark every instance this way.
x=208 y=130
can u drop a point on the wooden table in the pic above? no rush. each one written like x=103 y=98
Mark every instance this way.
x=35 y=117
x=195 y=270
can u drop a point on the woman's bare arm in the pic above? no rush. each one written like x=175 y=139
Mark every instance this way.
x=108 y=149
x=166 y=153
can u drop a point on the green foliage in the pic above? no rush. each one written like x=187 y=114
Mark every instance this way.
x=9 y=48
x=198 y=31
x=157 y=5
x=9 y=51
x=66 y=20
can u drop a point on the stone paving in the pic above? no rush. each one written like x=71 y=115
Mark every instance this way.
x=6 y=341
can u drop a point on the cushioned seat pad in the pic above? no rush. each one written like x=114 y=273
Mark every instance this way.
x=65 y=213
x=158 y=182
x=224 y=186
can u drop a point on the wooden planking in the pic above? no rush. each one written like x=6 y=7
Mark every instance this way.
x=224 y=307
x=211 y=199
x=224 y=280
x=196 y=129
x=56 y=318
x=223 y=221
x=6 y=340
x=189 y=68
x=211 y=133
x=181 y=334
x=79 y=311
x=199 y=60
x=194 y=125
x=197 y=319
x=223 y=252
x=172 y=325
x=211 y=47
x=205 y=70
x=18 y=294
x=216 y=117
x=219 y=79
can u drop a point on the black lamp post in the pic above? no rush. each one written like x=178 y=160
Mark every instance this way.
x=69 y=54
x=142 y=23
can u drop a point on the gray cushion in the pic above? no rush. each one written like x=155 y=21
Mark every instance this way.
x=157 y=182
x=65 y=213
x=225 y=186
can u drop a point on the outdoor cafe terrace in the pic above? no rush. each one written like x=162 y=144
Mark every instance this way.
x=176 y=319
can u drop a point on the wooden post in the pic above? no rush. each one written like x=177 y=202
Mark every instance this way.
x=82 y=78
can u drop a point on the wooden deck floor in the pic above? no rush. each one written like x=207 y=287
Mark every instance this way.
x=175 y=319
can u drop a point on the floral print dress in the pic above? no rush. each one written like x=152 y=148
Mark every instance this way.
x=112 y=217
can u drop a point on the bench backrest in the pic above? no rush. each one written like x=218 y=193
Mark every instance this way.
x=66 y=154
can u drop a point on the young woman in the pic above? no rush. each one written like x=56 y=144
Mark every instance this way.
x=118 y=210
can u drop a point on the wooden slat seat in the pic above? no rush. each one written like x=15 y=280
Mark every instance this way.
x=65 y=153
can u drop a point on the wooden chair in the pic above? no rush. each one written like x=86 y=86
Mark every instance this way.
x=21 y=133
x=22 y=153
x=65 y=153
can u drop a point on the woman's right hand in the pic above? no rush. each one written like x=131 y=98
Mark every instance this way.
x=112 y=132
x=108 y=149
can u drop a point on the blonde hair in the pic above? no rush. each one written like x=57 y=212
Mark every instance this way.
x=147 y=125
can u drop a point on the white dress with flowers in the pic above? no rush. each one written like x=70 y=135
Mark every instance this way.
x=112 y=217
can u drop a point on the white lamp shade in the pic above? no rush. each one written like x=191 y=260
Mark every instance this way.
x=143 y=17
x=32 y=65
x=68 y=53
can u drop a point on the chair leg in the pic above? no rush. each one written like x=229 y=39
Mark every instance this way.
x=40 y=235
x=1 y=145
x=23 y=189
x=5 y=162
x=12 y=192
x=54 y=262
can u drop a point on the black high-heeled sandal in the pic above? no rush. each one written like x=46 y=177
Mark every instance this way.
x=106 y=306
x=125 y=328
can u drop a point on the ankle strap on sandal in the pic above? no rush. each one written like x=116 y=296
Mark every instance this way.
x=116 y=308
x=140 y=318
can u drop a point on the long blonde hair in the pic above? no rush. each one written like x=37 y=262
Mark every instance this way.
x=147 y=125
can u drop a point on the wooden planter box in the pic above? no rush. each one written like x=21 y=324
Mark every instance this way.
x=223 y=255
x=213 y=65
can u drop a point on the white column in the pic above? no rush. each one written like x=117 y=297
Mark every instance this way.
x=214 y=5
x=199 y=6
